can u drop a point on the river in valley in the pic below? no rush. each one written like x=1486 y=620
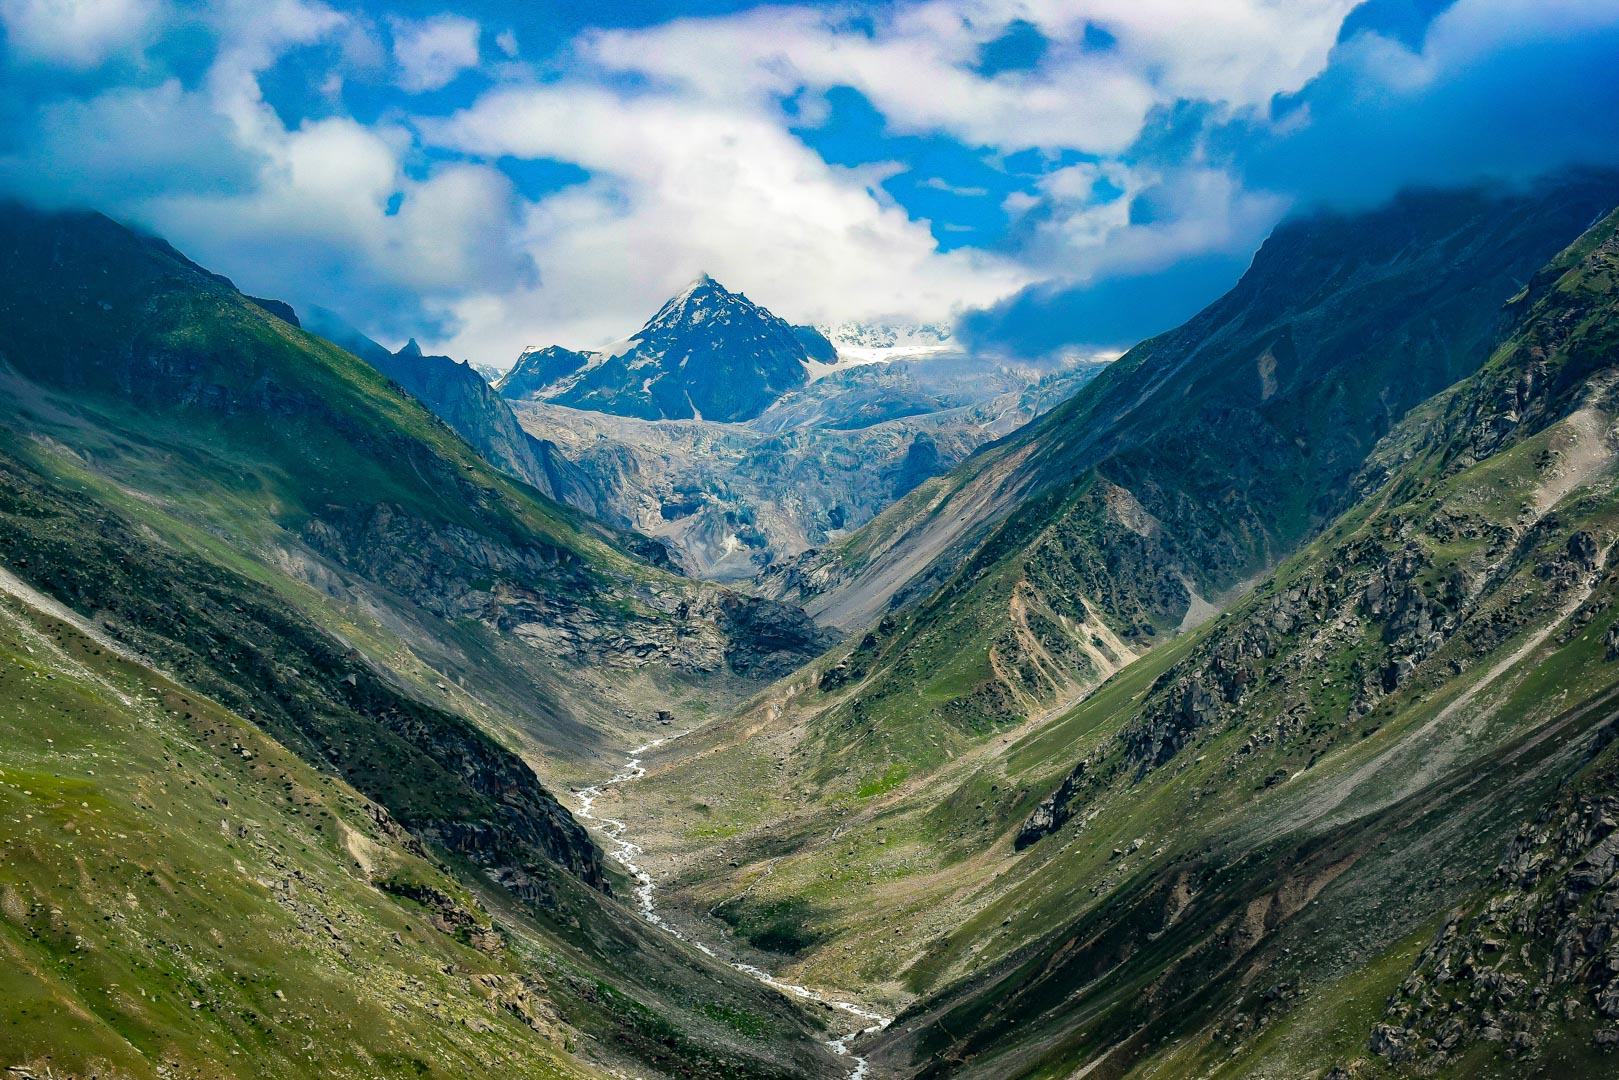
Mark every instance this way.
x=645 y=890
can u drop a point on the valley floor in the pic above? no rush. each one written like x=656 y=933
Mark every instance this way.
x=863 y=1020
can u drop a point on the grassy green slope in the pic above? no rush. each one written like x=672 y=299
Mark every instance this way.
x=248 y=647
x=127 y=323
x=1270 y=819
x=179 y=895
x=270 y=521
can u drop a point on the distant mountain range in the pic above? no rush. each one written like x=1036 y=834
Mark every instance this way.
x=708 y=354
x=880 y=409
x=731 y=499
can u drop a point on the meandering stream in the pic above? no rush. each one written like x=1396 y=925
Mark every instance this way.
x=626 y=852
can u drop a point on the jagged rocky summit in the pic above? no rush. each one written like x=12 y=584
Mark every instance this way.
x=708 y=354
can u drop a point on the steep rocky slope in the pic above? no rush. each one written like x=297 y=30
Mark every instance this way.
x=461 y=397
x=1198 y=460
x=281 y=530
x=708 y=353
x=1413 y=715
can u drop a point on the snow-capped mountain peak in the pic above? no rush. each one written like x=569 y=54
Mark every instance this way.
x=872 y=343
x=701 y=301
x=708 y=352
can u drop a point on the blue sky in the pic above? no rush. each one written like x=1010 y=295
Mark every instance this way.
x=1059 y=175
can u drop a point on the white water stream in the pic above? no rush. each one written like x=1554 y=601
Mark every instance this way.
x=626 y=853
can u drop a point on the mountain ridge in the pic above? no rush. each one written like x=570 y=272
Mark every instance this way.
x=1096 y=416
x=462 y=397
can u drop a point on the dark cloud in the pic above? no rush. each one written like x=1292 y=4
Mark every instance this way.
x=1512 y=113
x=1416 y=95
x=1112 y=313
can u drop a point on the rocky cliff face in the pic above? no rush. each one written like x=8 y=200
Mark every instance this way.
x=819 y=447
x=460 y=396
x=546 y=595
x=1530 y=969
x=537 y=371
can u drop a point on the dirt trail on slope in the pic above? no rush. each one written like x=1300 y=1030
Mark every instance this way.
x=1584 y=454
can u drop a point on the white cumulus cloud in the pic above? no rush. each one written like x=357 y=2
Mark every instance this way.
x=679 y=188
x=432 y=52
x=919 y=64
x=76 y=33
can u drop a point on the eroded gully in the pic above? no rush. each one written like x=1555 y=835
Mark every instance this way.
x=645 y=890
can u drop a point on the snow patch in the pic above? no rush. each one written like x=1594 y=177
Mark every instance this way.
x=618 y=348
x=881 y=343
